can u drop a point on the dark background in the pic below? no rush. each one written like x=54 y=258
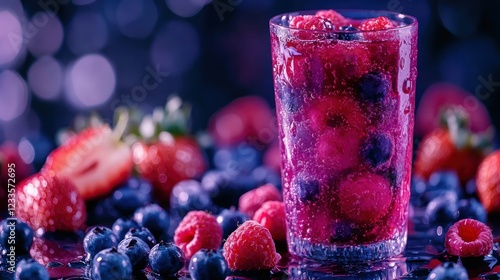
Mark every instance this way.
x=214 y=52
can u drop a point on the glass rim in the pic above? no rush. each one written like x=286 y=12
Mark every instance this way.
x=274 y=21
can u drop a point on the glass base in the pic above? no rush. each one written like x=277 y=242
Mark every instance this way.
x=348 y=253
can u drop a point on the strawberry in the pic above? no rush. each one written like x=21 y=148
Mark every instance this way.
x=444 y=94
x=488 y=182
x=247 y=119
x=94 y=160
x=452 y=147
x=165 y=154
x=50 y=203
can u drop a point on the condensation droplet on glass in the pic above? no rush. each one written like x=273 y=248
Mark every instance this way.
x=407 y=84
x=293 y=129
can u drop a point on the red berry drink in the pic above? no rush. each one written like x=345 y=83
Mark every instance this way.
x=344 y=86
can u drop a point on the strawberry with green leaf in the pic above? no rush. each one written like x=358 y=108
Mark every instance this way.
x=452 y=147
x=164 y=153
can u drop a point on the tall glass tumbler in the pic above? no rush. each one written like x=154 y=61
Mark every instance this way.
x=345 y=103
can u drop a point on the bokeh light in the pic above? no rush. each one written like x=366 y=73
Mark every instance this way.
x=48 y=34
x=26 y=150
x=176 y=47
x=186 y=8
x=90 y=81
x=14 y=6
x=87 y=33
x=45 y=78
x=136 y=19
x=11 y=37
x=453 y=12
x=13 y=94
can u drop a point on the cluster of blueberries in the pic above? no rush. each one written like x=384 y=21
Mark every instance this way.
x=127 y=224
x=445 y=200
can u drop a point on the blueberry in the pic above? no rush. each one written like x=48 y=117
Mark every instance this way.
x=98 y=239
x=208 y=264
x=23 y=235
x=374 y=87
x=342 y=231
x=111 y=264
x=230 y=219
x=418 y=187
x=473 y=209
x=166 y=259
x=307 y=190
x=350 y=35
x=448 y=271
x=189 y=195
x=154 y=218
x=31 y=270
x=121 y=227
x=225 y=188
x=240 y=159
x=442 y=182
x=441 y=210
x=101 y=211
x=142 y=233
x=470 y=188
x=136 y=250
x=132 y=195
x=377 y=149
x=264 y=175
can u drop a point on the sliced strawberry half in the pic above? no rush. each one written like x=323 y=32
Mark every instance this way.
x=94 y=160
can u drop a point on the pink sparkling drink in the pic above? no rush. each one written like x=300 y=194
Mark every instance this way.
x=345 y=95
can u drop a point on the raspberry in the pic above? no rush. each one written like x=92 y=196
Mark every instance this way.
x=250 y=247
x=333 y=16
x=252 y=200
x=272 y=216
x=469 y=238
x=364 y=197
x=198 y=230
x=378 y=23
x=310 y=22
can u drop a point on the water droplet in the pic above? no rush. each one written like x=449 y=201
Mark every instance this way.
x=407 y=86
x=402 y=63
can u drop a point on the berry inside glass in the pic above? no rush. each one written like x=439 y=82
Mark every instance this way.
x=344 y=86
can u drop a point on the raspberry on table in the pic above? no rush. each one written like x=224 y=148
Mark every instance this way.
x=378 y=23
x=252 y=200
x=250 y=247
x=469 y=238
x=311 y=22
x=272 y=216
x=198 y=230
